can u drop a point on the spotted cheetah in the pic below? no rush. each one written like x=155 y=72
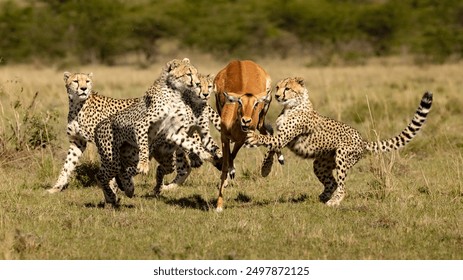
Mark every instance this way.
x=172 y=157
x=86 y=109
x=170 y=154
x=333 y=145
x=161 y=110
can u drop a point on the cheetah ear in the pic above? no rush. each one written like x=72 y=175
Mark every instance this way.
x=186 y=60
x=210 y=76
x=67 y=75
x=172 y=64
x=90 y=75
x=300 y=81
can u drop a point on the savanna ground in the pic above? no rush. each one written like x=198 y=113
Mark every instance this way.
x=402 y=205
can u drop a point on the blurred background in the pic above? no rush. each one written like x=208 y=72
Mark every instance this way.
x=323 y=32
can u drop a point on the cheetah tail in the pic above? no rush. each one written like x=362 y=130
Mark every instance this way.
x=408 y=133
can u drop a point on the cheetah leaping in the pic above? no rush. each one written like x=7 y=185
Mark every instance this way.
x=335 y=146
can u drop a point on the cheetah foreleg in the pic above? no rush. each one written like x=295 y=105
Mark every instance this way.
x=143 y=145
x=190 y=144
x=75 y=151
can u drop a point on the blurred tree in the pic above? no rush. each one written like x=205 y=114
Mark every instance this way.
x=149 y=24
x=101 y=31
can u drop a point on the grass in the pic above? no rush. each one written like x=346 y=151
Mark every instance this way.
x=404 y=205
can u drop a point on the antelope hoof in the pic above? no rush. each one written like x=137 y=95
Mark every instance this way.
x=231 y=173
x=281 y=159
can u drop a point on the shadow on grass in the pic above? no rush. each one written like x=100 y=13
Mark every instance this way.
x=247 y=201
x=197 y=202
x=193 y=201
x=102 y=205
x=85 y=174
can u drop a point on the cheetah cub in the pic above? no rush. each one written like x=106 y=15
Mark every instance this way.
x=333 y=145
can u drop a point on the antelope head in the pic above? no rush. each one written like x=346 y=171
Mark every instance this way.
x=249 y=108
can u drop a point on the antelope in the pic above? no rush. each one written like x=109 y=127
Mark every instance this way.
x=243 y=96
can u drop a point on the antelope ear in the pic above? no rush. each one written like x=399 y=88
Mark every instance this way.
x=300 y=81
x=266 y=99
x=67 y=75
x=230 y=98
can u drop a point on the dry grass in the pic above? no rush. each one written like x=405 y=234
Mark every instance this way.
x=405 y=205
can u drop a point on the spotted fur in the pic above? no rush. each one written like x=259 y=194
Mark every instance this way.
x=161 y=111
x=333 y=145
x=86 y=110
x=172 y=157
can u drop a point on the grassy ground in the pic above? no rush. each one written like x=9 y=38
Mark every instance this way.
x=403 y=205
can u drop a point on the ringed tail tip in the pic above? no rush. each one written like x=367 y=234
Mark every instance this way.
x=427 y=98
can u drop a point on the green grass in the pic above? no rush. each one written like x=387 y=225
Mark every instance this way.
x=405 y=205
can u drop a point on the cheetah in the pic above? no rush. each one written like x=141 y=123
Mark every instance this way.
x=169 y=155
x=333 y=145
x=86 y=109
x=161 y=110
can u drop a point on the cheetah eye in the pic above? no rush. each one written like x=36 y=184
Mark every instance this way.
x=277 y=88
x=75 y=81
x=88 y=81
x=287 y=88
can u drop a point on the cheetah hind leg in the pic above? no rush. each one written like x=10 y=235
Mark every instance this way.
x=323 y=169
x=267 y=163
x=109 y=195
x=108 y=171
x=115 y=185
x=165 y=167
x=125 y=181
x=344 y=161
x=182 y=167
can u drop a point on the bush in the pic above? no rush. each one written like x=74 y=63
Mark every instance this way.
x=27 y=129
x=104 y=30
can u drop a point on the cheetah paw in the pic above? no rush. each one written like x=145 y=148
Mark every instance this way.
x=169 y=186
x=54 y=190
x=143 y=167
x=332 y=203
x=251 y=139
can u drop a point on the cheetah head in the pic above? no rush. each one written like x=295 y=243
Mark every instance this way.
x=78 y=85
x=206 y=86
x=182 y=75
x=289 y=91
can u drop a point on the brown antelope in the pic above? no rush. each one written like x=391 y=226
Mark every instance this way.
x=243 y=95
